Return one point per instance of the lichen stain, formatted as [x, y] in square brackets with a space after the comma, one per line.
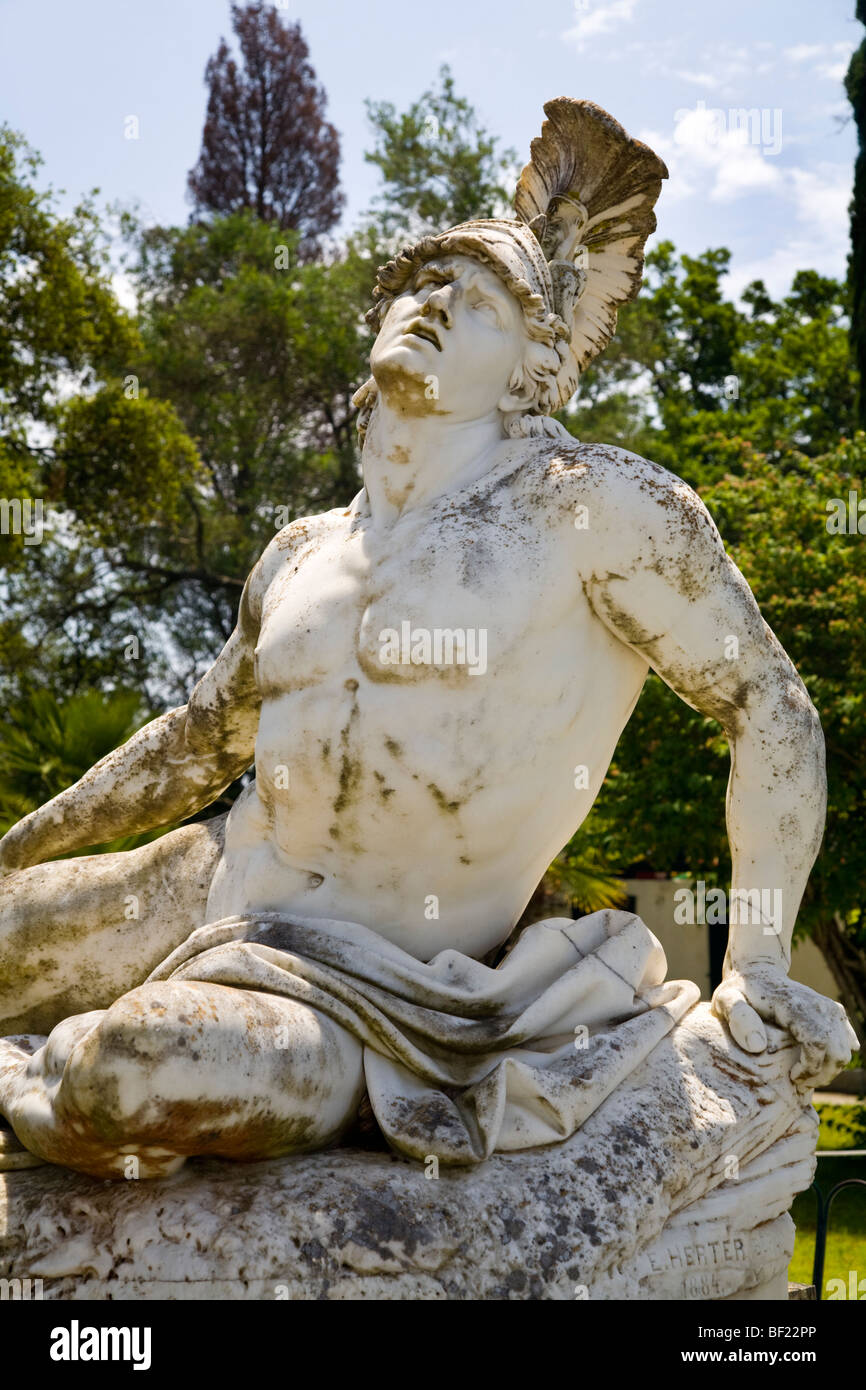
[450, 807]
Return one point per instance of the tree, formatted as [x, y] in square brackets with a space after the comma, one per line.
[439, 165]
[63, 339]
[266, 145]
[220, 414]
[58, 315]
[855, 87]
[690, 376]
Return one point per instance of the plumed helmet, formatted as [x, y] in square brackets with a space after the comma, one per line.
[574, 251]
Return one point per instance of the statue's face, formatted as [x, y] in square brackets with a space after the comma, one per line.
[450, 342]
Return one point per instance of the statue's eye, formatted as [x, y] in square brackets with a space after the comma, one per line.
[485, 307]
[431, 277]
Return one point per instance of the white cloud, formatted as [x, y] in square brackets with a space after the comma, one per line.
[831, 110]
[716, 67]
[821, 197]
[742, 169]
[778, 167]
[833, 58]
[711, 162]
[124, 291]
[713, 156]
[812, 211]
[778, 268]
[594, 17]
[834, 72]
[800, 52]
[698, 79]
[679, 185]
[652, 48]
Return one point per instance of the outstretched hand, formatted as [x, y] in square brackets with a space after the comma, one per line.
[760, 993]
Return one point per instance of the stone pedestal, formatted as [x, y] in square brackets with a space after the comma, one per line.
[678, 1187]
[357, 1225]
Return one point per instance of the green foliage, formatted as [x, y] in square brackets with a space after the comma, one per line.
[123, 463]
[583, 874]
[57, 309]
[811, 585]
[691, 380]
[46, 745]
[68, 436]
[58, 321]
[439, 165]
[259, 356]
[245, 363]
[843, 1126]
[694, 331]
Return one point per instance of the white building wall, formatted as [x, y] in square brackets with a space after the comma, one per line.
[688, 949]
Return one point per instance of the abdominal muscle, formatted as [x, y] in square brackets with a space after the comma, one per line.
[421, 875]
[418, 895]
[416, 818]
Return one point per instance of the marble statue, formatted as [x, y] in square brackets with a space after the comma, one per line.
[431, 683]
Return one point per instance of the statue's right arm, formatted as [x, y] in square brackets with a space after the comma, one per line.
[173, 767]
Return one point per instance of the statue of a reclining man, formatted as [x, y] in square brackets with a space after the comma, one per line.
[417, 677]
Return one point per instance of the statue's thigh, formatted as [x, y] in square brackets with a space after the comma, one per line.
[77, 933]
[202, 1068]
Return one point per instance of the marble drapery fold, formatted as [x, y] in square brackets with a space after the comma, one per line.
[463, 1060]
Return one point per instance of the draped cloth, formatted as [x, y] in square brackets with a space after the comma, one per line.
[463, 1060]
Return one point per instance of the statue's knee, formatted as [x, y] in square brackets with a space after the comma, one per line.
[208, 1071]
[113, 1073]
[64, 1038]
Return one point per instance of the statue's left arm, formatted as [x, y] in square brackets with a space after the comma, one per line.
[659, 578]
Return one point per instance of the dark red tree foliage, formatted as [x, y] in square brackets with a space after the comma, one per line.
[266, 143]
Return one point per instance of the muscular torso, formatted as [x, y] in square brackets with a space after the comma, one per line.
[425, 799]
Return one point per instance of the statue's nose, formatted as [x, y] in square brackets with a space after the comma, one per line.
[438, 304]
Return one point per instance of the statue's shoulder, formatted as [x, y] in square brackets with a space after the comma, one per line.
[609, 465]
[288, 543]
[626, 504]
[307, 528]
[614, 477]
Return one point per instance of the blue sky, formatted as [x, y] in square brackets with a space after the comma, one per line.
[776, 193]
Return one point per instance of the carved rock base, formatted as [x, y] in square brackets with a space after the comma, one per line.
[678, 1187]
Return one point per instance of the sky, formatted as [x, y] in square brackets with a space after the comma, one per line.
[772, 186]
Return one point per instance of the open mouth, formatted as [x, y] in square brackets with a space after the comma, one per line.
[419, 329]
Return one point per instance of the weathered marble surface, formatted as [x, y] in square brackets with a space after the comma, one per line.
[431, 683]
[348, 1225]
[614, 1212]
